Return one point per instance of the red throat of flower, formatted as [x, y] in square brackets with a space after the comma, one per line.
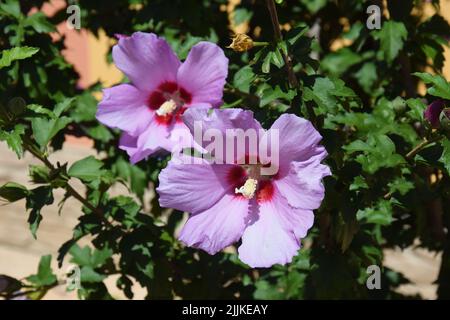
[247, 186]
[169, 101]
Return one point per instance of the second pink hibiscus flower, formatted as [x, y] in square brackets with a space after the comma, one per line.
[235, 200]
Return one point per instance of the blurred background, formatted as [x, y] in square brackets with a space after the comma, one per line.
[20, 253]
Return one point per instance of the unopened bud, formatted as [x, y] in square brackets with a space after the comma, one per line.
[433, 112]
[241, 42]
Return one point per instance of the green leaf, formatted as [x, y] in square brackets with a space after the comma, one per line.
[89, 258]
[367, 76]
[14, 139]
[12, 191]
[277, 58]
[266, 291]
[271, 95]
[326, 93]
[87, 169]
[39, 174]
[381, 121]
[99, 257]
[445, 157]
[243, 78]
[183, 49]
[45, 129]
[39, 22]
[89, 275]
[440, 88]
[380, 214]
[392, 37]
[266, 63]
[125, 210]
[338, 62]
[314, 5]
[378, 152]
[417, 107]
[320, 94]
[11, 7]
[63, 106]
[401, 185]
[133, 174]
[99, 133]
[80, 256]
[40, 110]
[85, 108]
[36, 200]
[358, 183]
[295, 34]
[44, 276]
[16, 53]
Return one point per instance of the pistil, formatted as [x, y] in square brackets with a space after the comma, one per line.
[167, 108]
[248, 189]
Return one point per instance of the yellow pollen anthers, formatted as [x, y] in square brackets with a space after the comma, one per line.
[167, 108]
[248, 189]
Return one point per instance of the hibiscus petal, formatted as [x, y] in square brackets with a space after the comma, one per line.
[154, 138]
[146, 59]
[124, 107]
[302, 186]
[223, 122]
[193, 187]
[204, 72]
[157, 138]
[268, 239]
[220, 119]
[128, 143]
[297, 220]
[297, 141]
[218, 227]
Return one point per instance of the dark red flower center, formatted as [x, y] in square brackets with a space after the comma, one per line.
[265, 191]
[239, 177]
[169, 101]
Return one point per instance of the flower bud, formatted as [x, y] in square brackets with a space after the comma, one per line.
[433, 112]
[241, 42]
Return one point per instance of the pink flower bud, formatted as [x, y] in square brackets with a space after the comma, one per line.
[432, 113]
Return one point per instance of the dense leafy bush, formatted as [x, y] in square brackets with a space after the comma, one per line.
[390, 183]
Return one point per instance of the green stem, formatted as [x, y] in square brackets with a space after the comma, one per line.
[421, 145]
[293, 82]
[70, 190]
[260, 43]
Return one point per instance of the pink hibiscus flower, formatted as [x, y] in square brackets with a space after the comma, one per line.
[234, 200]
[149, 109]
